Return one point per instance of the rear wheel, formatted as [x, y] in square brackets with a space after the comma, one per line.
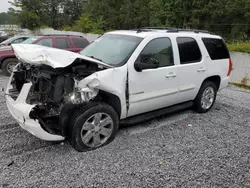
[8, 65]
[206, 97]
[94, 126]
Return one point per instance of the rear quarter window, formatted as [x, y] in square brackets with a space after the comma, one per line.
[216, 48]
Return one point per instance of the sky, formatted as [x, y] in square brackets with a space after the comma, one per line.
[4, 5]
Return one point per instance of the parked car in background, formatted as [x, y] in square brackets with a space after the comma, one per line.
[3, 38]
[123, 76]
[14, 40]
[72, 43]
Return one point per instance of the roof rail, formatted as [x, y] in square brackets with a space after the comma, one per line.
[148, 29]
[140, 30]
[159, 28]
[189, 30]
[171, 30]
[62, 34]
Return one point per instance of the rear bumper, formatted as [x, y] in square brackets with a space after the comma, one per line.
[224, 82]
[20, 110]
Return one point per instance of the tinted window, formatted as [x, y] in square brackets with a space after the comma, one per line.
[189, 50]
[80, 43]
[45, 42]
[159, 49]
[216, 48]
[63, 43]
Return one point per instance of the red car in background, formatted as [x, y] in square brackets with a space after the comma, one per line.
[72, 43]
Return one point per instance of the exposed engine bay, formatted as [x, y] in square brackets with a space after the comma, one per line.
[54, 90]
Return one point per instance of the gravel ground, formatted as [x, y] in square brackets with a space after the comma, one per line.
[181, 150]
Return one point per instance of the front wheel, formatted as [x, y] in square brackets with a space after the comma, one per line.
[8, 66]
[94, 126]
[206, 97]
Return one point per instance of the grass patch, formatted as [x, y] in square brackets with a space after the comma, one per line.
[239, 47]
[241, 86]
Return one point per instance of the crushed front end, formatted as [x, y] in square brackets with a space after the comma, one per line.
[40, 97]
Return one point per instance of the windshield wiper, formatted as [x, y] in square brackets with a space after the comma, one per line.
[93, 57]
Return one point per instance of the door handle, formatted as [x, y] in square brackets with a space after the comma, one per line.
[202, 69]
[171, 75]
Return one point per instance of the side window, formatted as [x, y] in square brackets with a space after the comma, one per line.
[216, 48]
[17, 41]
[189, 50]
[159, 49]
[45, 42]
[80, 42]
[63, 43]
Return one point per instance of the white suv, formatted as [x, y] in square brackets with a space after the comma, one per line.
[123, 76]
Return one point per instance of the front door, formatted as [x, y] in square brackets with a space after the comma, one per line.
[153, 88]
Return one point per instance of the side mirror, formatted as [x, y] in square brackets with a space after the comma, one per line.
[147, 63]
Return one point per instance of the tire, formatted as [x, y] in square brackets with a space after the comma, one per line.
[7, 65]
[84, 131]
[211, 94]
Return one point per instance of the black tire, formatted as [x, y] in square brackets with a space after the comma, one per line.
[198, 100]
[6, 63]
[81, 116]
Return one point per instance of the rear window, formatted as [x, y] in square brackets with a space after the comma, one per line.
[80, 42]
[189, 50]
[216, 48]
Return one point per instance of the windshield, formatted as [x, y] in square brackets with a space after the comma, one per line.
[112, 49]
[8, 40]
[30, 40]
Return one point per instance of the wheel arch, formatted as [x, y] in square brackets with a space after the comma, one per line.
[112, 100]
[215, 79]
[5, 58]
[70, 109]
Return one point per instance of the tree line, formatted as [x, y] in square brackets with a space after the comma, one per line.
[6, 18]
[229, 18]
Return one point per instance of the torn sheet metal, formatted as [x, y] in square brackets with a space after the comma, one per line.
[110, 80]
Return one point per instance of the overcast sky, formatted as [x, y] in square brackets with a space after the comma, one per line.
[4, 5]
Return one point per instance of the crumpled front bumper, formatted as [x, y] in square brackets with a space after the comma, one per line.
[20, 110]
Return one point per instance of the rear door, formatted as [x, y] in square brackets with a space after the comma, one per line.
[47, 41]
[192, 69]
[64, 43]
[80, 43]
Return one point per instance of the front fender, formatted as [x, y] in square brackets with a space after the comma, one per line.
[113, 81]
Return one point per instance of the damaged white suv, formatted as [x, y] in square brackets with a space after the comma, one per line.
[123, 76]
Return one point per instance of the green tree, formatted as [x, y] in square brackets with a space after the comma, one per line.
[229, 18]
[6, 18]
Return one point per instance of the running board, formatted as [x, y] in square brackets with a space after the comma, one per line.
[157, 113]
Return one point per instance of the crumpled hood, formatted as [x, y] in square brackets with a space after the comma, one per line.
[56, 58]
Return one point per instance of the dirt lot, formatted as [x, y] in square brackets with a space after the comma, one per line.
[182, 150]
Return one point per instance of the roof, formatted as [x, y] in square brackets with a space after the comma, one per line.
[145, 32]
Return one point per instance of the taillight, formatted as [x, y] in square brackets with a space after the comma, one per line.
[230, 68]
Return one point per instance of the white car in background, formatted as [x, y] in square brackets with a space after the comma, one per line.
[123, 76]
[14, 40]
